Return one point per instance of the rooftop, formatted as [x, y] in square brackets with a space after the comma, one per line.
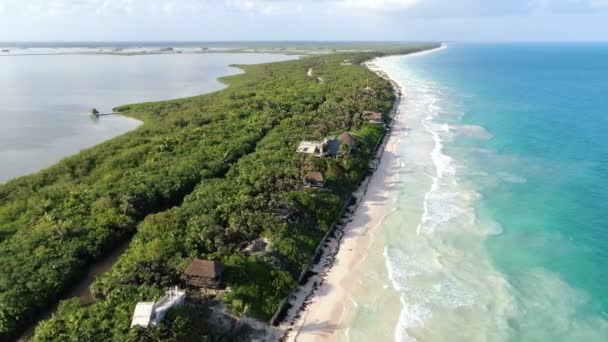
[346, 138]
[143, 314]
[205, 268]
[373, 116]
[314, 176]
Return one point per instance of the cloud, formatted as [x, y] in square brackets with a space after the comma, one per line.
[240, 5]
[419, 8]
[113, 7]
[265, 7]
[411, 9]
[486, 8]
[598, 4]
[380, 5]
[170, 7]
[267, 10]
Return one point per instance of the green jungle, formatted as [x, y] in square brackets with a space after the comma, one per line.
[201, 178]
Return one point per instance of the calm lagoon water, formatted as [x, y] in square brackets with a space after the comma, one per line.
[500, 221]
[45, 99]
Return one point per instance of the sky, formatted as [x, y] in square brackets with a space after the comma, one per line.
[361, 20]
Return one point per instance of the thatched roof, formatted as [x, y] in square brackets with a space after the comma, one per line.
[314, 176]
[373, 116]
[346, 138]
[205, 268]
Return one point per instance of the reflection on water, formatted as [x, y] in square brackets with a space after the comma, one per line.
[45, 100]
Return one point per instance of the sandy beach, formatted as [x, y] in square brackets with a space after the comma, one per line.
[325, 313]
[325, 310]
[321, 313]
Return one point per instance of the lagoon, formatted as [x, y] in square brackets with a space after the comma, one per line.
[45, 99]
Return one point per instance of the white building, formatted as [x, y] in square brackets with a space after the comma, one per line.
[152, 313]
[143, 314]
[329, 146]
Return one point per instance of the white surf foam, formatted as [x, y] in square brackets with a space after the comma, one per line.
[432, 275]
[445, 281]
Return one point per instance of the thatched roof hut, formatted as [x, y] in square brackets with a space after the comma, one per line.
[346, 139]
[314, 179]
[373, 117]
[204, 273]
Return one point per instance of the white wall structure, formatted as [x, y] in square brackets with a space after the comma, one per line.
[152, 313]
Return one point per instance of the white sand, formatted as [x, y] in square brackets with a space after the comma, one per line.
[325, 310]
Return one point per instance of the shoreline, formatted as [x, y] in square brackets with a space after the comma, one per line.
[116, 125]
[379, 151]
[81, 287]
[338, 268]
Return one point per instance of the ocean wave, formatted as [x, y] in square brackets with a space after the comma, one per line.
[471, 132]
[541, 292]
[433, 273]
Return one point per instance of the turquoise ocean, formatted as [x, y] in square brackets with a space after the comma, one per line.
[497, 228]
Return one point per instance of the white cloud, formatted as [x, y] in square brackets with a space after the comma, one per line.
[277, 8]
[240, 5]
[113, 7]
[265, 7]
[170, 7]
[598, 4]
[380, 5]
[267, 10]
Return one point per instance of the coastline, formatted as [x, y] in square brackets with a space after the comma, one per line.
[72, 130]
[321, 307]
[140, 112]
[80, 289]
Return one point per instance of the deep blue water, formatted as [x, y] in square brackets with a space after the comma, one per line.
[543, 176]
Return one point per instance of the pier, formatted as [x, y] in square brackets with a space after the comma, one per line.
[94, 112]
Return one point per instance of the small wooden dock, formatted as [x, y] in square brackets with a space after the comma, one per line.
[94, 112]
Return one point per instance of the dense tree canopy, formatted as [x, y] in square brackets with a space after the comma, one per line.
[202, 177]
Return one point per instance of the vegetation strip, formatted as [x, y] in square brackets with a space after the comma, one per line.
[203, 177]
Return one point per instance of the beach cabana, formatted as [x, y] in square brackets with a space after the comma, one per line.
[314, 179]
[373, 117]
[204, 273]
[348, 140]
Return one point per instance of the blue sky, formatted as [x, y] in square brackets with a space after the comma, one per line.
[203, 20]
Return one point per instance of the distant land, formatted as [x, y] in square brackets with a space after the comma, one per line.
[216, 177]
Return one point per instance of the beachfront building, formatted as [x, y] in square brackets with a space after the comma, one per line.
[311, 147]
[143, 314]
[314, 179]
[330, 146]
[204, 273]
[373, 117]
[152, 313]
[347, 142]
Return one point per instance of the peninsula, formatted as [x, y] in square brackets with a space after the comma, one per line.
[221, 178]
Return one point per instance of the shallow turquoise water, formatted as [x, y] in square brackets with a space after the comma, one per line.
[509, 241]
[546, 107]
